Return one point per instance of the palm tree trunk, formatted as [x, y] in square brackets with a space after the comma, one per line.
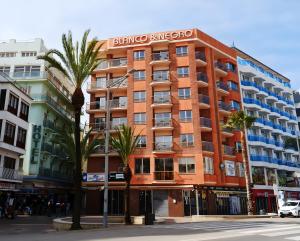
[77, 101]
[247, 175]
[127, 195]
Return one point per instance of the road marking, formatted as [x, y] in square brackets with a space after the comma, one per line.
[281, 233]
[270, 229]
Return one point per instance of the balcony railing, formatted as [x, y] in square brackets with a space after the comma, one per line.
[163, 55]
[265, 140]
[224, 106]
[228, 150]
[163, 175]
[160, 76]
[274, 160]
[104, 83]
[10, 174]
[202, 77]
[118, 104]
[163, 146]
[118, 122]
[162, 122]
[221, 85]
[205, 122]
[96, 105]
[204, 99]
[120, 62]
[221, 66]
[100, 126]
[207, 146]
[200, 55]
[162, 99]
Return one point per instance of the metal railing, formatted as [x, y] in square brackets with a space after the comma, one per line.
[163, 146]
[119, 62]
[160, 76]
[163, 123]
[205, 122]
[163, 175]
[117, 104]
[10, 174]
[202, 77]
[200, 55]
[95, 105]
[102, 84]
[228, 150]
[207, 146]
[221, 66]
[221, 85]
[162, 99]
[224, 106]
[204, 99]
[163, 55]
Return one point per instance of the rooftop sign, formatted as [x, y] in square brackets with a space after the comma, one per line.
[146, 38]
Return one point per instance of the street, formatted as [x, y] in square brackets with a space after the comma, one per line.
[40, 229]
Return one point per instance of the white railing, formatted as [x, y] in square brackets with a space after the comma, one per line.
[10, 174]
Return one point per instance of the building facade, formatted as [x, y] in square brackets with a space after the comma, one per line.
[183, 88]
[272, 141]
[14, 111]
[47, 168]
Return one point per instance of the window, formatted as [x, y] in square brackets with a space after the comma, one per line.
[208, 165]
[186, 165]
[139, 55]
[28, 53]
[139, 75]
[5, 69]
[13, 104]
[181, 51]
[235, 105]
[142, 165]
[163, 119]
[238, 147]
[241, 169]
[160, 75]
[161, 97]
[24, 111]
[186, 140]
[230, 168]
[233, 86]
[139, 118]
[185, 115]
[27, 71]
[230, 67]
[184, 93]
[21, 137]
[1, 126]
[163, 143]
[2, 98]
[9, 162]
[141, 142]
[182, 72]
[9, 134]
[7, 54]
[139, 96]
[164, 169]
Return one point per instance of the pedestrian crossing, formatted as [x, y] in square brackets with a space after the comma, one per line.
[230, 229]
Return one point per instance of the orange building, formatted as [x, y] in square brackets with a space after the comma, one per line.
[183, 87]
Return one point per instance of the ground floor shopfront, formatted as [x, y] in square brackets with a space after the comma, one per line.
[169, 200]
[265, 201]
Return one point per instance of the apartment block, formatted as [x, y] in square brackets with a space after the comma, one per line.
[273, 147]
[47, 167]
[14, 111]
[183, 88]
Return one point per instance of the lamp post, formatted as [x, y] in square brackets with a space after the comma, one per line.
[109, 85]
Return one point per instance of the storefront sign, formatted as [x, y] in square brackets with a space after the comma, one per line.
[36, 139]
[145, 38]
[4, 186]
[116, 176]
[93, 177]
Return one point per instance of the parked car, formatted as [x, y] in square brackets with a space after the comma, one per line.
[290, 208]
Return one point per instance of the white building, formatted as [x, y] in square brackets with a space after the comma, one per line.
[46, 164]
[272, 141]
[14, 112]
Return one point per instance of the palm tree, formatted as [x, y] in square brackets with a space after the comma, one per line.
[240, 121]
[76, 62]
[125, 143]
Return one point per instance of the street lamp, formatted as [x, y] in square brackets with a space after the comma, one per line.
[109, 85]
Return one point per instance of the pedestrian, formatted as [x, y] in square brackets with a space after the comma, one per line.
[49, 208]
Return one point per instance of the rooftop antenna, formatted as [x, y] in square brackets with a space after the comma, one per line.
[233, 45]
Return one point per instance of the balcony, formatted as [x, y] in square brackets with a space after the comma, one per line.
[204, 101]
[266, 140]
[160, 78]
[222, 88]
[163, 175]
[225, 130]
[160, 58]
[100, 151]
[200, 58]
[163, 147]
[220, 69]
[162, 101]
[163, 124]
[202, 79]
[112, 64]
[95, 107]
[118, 122]
[118, 105]
[224, 108]
[228, 150]
[207, 146]
[96, 86]
[205, 124]
[97, 127]
[10, 174]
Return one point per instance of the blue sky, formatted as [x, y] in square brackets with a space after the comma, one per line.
[266, 29]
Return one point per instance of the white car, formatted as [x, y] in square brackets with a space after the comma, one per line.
[290, 208]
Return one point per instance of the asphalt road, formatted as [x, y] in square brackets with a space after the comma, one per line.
[40, 229]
